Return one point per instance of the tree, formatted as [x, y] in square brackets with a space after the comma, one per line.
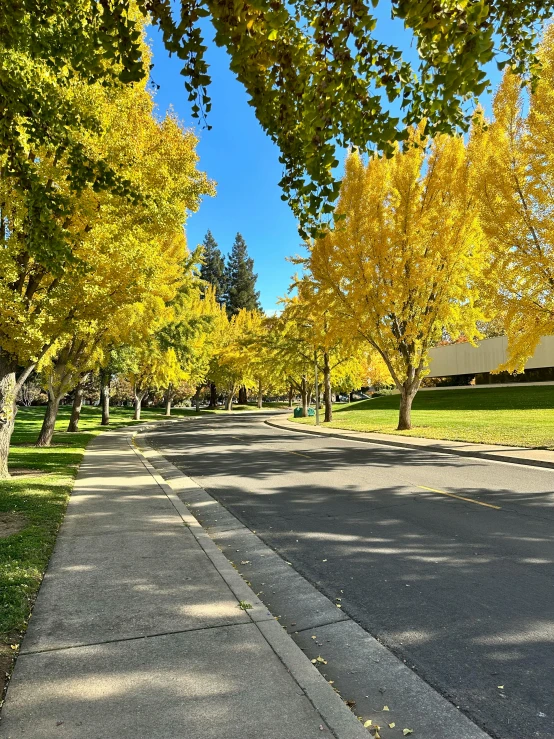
[240, 280]
[513, 168]
[405, 262]
[316, 73]
[212, 270]
[62, 371]
[119, 251]
[233, 366]
[338, 352]
[194, 334]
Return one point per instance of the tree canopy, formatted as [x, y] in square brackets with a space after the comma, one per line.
[315, 71]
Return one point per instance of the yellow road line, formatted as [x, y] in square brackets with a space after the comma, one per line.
[299, 454]
[459, 497]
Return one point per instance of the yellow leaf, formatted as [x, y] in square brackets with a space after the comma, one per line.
[368, 723]
[406, 732]
[391, 726]
[386, 708]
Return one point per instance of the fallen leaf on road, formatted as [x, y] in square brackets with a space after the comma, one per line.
[245, 562]
[350, 703]
[386, 708]
[368, 723]
[406, 732]
[500, 687]
[338, 605]
[314, 637]
[319, 660]
[391, 726]
[324, 560]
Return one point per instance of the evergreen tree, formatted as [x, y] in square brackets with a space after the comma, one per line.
[213, 267]
[240, 280]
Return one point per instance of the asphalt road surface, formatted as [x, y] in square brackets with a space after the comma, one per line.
[461, 589]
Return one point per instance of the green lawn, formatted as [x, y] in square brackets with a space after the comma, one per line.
[521, 416]
[38, 501]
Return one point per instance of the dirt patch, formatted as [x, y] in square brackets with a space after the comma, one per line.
[25, 472]
[11, 523]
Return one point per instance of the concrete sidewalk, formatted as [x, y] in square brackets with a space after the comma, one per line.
[137, 630]
[493, 452]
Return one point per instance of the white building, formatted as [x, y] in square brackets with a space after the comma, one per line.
[465, 359]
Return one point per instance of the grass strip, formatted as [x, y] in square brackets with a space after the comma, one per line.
[515, 416]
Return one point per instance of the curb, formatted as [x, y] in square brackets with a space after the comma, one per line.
[354, 650]
[302, 429]
[340, 720]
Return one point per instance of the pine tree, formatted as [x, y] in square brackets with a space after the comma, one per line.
[213, 267]
[240, 280]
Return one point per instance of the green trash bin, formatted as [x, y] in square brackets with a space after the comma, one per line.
[298, 412]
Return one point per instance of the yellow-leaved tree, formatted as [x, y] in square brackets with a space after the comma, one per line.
[120, 247]
[513, 167]
[403, 263]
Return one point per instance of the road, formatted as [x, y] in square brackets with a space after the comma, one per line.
[463, 590]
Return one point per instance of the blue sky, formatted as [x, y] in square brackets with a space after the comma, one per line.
[245, 164]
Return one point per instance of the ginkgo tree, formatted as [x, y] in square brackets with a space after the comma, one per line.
[315, 73]
[119, 251]
[404, 263]
[340, 354]
[513, 174]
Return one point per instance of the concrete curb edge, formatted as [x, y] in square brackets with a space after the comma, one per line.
[338, 717]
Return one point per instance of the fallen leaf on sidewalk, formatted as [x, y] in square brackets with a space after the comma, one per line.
[244, 605]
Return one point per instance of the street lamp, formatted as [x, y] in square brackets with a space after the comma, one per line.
[311, 325]
[316, 390]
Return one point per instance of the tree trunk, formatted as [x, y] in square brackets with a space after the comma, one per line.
[213, 396]
[76, 409]
[229, 400]
[305, 393]
[8, 410]
[243, 398]
[327, 397]
[197, 398]
[105, 398]
[138, 405]
[290, 396]
[168, 399]
[49, 422]
[407, 395]
[260, 395]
